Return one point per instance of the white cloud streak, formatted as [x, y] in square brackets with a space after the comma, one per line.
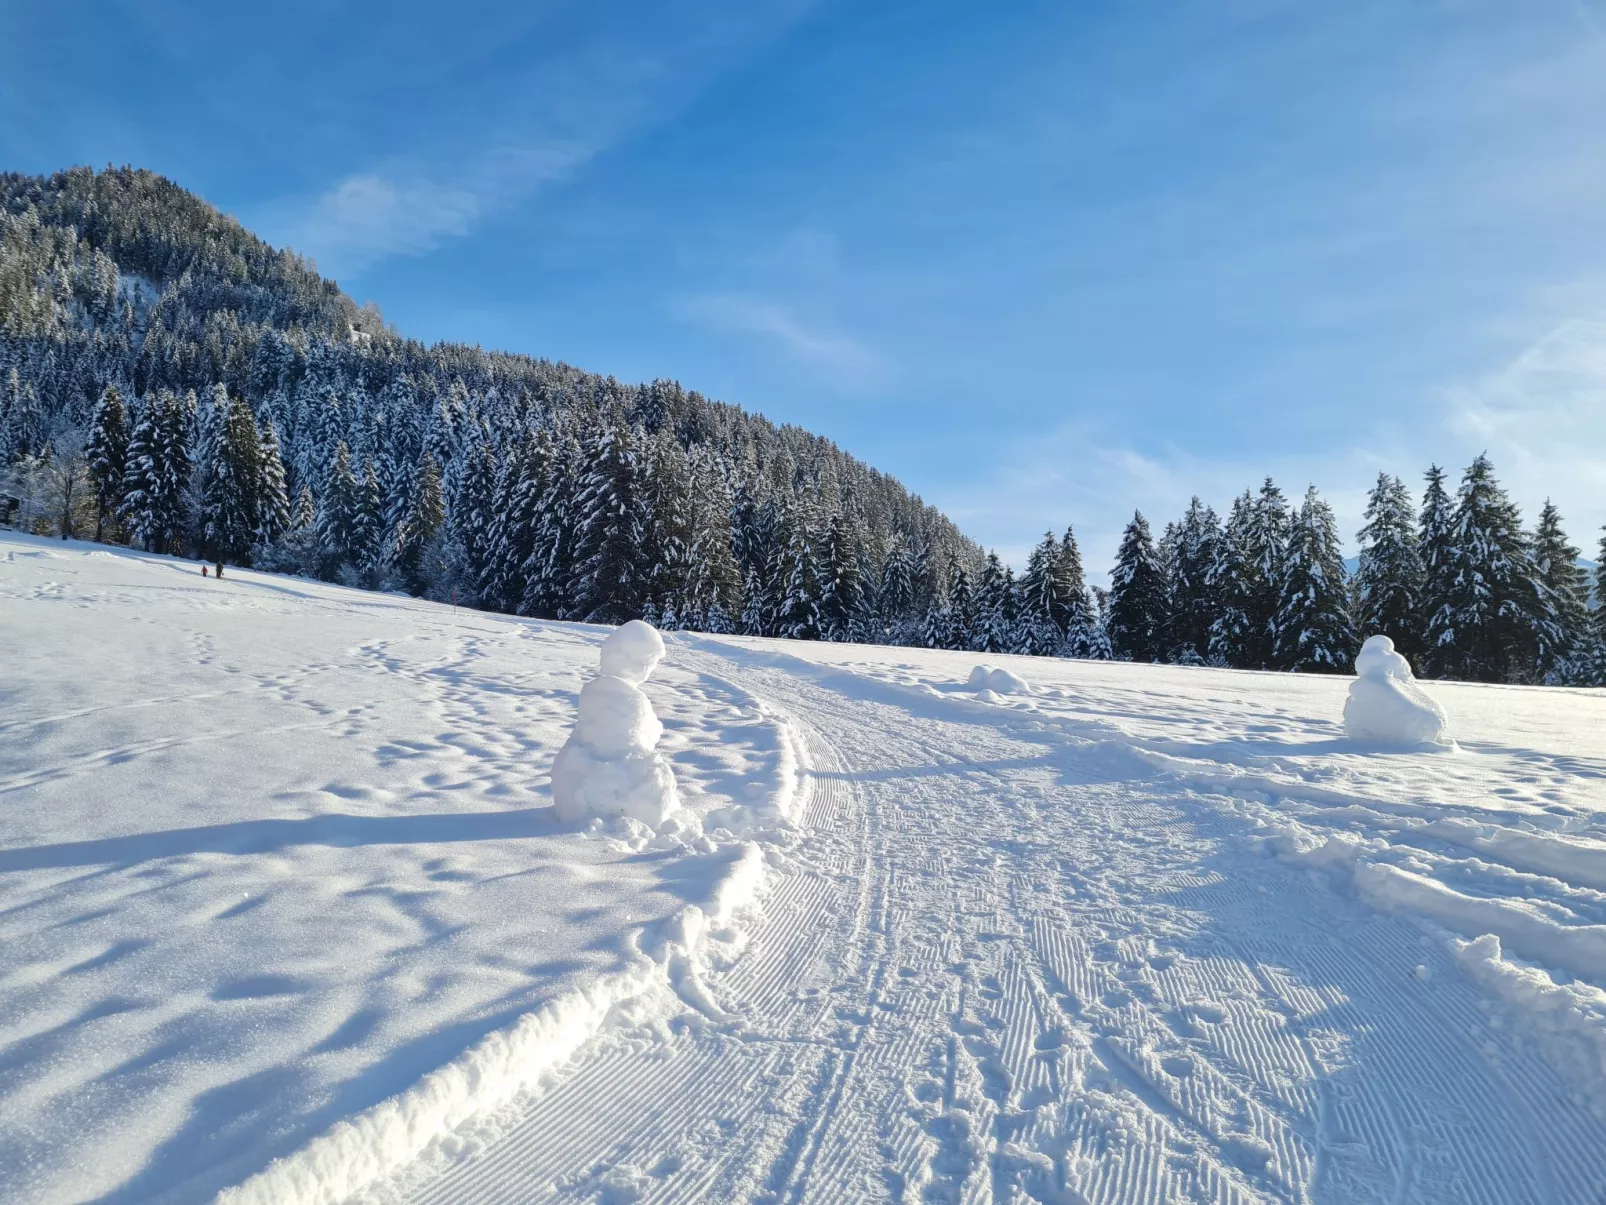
[840, 358]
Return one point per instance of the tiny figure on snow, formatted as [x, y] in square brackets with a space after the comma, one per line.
[203, 570]
[220, 569]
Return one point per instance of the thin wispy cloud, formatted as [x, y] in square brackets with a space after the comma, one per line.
[839, 357]
[542, 122]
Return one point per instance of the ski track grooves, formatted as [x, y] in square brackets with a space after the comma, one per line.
[993, 967]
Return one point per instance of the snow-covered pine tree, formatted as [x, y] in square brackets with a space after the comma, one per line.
[369, 527]
[1556, 563]
[1232, 584]
[1597, 620]
[1041, 633]
[1315, 633]
[667, 508]
[273, 501]
[1435, 541]
[1267, 548]
[799, 615]
[1500, 620]
[231, 487]
[337, 509]
[107, 453]
[1137, 611]
[713, 588]
[157, 473]
[515, 510]
[841, 590]
[753, 607]
[610, 576]
[1389, 580]
[1193, 598]
[989, 630]
[895, 597]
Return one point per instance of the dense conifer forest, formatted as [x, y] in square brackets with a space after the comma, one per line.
[170, 381]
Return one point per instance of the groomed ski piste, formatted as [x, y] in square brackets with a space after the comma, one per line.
[287, 917]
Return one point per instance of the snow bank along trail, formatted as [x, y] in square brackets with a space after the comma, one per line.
[1028, 949]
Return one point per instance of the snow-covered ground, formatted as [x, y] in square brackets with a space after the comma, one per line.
[285, 915]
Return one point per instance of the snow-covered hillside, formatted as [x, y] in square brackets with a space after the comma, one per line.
[285, 915]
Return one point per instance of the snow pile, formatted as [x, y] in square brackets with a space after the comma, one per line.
[1568, 1020]
[999, 681]
[1385, 705]
[609, 766]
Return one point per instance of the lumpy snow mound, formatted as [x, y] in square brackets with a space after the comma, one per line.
[632, 652]
[999, 681]
[1385, 705]
[610, 765]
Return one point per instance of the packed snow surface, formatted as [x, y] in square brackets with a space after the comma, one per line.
[286, 916]
[1385, 706]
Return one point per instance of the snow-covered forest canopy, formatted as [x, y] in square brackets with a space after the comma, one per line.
[169, 380]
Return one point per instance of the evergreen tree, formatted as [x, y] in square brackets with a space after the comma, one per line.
[231, 488]
[841, 589]
[610, 576]
[1500, 622]
[1268, 550]
[157, 473]
[273, 501]
[990, 629]
[1556, 564]
[753, 608]
[1137, 612]
[337, 508]
[1232, 584]
[1389, 580]
[799, 617]
[107, 453]
[1436, 541]
[1314, 631]
[1193, 597]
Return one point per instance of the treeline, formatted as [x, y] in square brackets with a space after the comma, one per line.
[168, 380]
[1463, 589]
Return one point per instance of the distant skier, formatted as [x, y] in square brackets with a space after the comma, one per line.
[219, 573]
[203, 570]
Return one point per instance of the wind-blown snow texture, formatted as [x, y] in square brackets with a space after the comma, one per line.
[286, 915]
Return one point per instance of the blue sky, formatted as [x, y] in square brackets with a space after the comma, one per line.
[1046, 262]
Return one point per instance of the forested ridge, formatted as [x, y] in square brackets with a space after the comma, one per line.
[169, 380]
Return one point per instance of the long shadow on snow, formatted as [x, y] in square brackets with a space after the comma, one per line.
[266, 836]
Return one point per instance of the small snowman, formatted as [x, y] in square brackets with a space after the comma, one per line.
[610, 765]
[1385, 705]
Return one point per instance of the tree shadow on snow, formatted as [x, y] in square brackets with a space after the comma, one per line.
[267, 836]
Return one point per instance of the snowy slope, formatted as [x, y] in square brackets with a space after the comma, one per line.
[276, 854]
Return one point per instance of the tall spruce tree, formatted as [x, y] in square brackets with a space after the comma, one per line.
[1500, 621]
[1389, 579]
[1137, 612]
[107, 453]
[611, 577]
[231, 490]
[1556, 564]
[1436, 541]
[1314, 631]
[1268, 550]
[1193, 597]
[1231, 582]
